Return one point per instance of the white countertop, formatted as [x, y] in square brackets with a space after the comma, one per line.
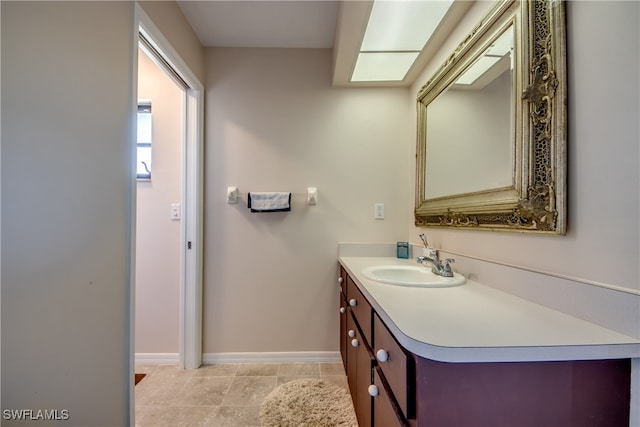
[477, 323]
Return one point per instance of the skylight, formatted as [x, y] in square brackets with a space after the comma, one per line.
[396, 33]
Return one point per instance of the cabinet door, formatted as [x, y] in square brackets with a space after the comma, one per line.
[359, 371]
[385, 411]
[351, 353]
[396, 367]
[363, 402]
[343, 327]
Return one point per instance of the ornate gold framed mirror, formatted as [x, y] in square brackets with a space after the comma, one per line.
[491, 139]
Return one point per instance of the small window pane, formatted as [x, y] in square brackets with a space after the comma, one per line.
[144, 162]
[144, 141]
[144, 127]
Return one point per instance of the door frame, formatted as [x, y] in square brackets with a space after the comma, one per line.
[190, 313]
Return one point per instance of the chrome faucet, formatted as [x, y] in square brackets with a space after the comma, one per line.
[437, 267]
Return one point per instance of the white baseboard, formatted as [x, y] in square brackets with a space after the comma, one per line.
[273, 357]
[157, 358]
[244, 357]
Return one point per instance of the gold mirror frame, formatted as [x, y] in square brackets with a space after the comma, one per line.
[536, 201]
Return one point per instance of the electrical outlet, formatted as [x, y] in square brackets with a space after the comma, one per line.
[379, 211]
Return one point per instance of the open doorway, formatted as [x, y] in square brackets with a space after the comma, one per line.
[159, 171]
[191, 182]
[191, 209]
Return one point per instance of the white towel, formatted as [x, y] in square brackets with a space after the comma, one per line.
[269, 201]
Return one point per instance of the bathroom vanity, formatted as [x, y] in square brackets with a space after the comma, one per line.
[471, 355]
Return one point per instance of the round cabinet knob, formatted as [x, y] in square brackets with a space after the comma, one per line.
[343, 310]
[351, 333]
[353, 302]
[373, 390]
[340, 279]
[382, 355]
[354, 343]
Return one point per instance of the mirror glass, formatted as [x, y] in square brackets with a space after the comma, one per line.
[492, 126]
[469, 126]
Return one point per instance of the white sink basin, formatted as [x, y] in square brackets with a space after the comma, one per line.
[407, 275]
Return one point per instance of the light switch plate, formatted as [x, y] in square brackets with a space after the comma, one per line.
[379, 211]
[232, 194]
[175, 211]
[312, 195]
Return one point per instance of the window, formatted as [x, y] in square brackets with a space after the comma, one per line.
[144, 141]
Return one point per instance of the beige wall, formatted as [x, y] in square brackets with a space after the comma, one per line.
[66, 99]
[602, 244]
[274, 123]
[67, 177]
[157, 236]
[170, 20]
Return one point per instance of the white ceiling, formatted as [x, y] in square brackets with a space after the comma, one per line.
[266, 23]
[330, 24]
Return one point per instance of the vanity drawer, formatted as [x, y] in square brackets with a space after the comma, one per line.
[385, 411]
[395, 365]
[361, 309]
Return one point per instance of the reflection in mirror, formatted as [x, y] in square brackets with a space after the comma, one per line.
[469, 129]
[492, 125]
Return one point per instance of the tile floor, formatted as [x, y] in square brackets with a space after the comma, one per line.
[224, 395]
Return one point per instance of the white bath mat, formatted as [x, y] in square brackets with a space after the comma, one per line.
[308, 403]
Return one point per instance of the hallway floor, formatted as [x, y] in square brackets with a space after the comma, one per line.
[224, 395]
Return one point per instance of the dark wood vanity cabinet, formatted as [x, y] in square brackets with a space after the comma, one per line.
[373, 397]
[391, 386]
[524, 394]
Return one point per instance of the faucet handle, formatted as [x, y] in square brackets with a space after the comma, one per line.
[431, 254]
[447, 268]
